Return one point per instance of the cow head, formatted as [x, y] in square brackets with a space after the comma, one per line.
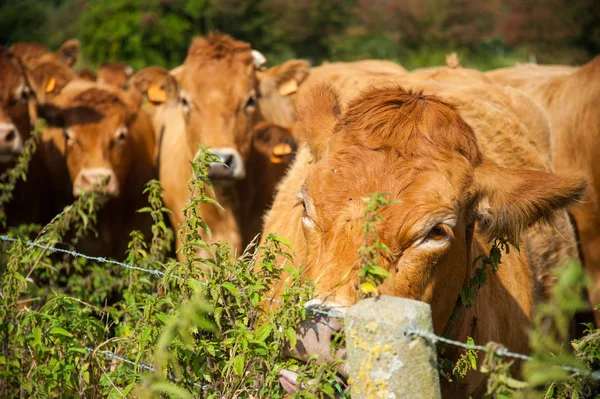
[218, 91]
[32, 53]
[114, 73]
[274, 142]
[418, 150]
[98, 145]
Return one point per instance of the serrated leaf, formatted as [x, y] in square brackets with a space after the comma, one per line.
[60, 331]
[238, 365]
[231, 288]
[290, 334]
[172, 390]
[263, 332]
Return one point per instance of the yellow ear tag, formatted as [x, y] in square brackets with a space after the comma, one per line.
[51, 85]
[156, 94]
[276, 159]
[282, 149]
[288, 87]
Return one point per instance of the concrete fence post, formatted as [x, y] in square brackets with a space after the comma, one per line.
[382, 360]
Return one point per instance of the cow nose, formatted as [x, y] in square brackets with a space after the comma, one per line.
[97, 180]
[318, 336]
[10, 141]
[231, 166]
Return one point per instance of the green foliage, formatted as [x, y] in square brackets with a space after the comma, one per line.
[204, 327]
[469, 290]
[485, 34]
[551, 329]
[467, 361]
[370, 273]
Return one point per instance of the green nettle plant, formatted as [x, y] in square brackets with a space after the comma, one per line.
[151, 326]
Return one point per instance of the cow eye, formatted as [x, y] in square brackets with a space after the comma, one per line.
[250, 103]
[69, 136]
[185, 104]
[437, 235]
[119, 138]
[121, 135]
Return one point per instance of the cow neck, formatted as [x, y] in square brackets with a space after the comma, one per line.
[495, 315]
[224, 220]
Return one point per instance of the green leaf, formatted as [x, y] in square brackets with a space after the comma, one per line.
[231, 288]
[60, 331]
[290, 334]
[172, 390]
[263, 332]
[238, 365]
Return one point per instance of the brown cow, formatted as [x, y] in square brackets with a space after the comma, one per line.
[216, 98]
[571, 98]
[114, 73]
[455, 189]
[101, 141]
[32, 53]
[21, 92]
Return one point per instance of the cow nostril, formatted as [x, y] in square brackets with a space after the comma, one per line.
[228, 160]
[10, 136]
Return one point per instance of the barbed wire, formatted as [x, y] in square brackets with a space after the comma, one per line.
[501, 351]
[315, 308]
[112, 356]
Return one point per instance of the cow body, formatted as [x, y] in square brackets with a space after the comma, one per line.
[433, 158]
[571, 98]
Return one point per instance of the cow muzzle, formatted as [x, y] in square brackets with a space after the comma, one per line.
[97, 180]
[231, 166]
[11, 143]
[315, 337]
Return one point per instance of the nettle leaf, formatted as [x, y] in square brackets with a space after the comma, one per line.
[172, 390]
[60, 331]
[263, 332]
[238, 365]
[231, 288]
[290, 334]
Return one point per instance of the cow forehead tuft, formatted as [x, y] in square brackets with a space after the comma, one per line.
[408, 122]
[218, 46]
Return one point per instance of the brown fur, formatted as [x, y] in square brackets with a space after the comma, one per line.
[32, 53]
[92, 113]
[16, 102]
[439, 166]
[221, 90]
[114, 73]
[571, 98]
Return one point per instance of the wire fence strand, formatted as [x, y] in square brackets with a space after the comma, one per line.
[501, 351]
[151, 369]
[322, 309]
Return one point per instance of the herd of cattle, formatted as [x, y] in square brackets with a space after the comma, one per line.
[468, 157]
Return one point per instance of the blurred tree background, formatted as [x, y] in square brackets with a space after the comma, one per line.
[416, 33]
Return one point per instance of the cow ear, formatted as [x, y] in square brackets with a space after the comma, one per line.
[156, 85]
[68, 53]
[318, 114]
[274, 142]
[284, 78]
[87, 74]
[510, 200]
[52, 114]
